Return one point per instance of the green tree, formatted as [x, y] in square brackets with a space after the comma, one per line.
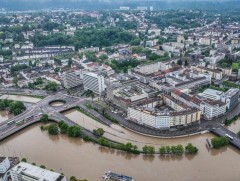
[162, 150]
[23, 160]
[44, 118]
[74, 131]
[103, 57]
[70, 62]
[218, 142]
[42, 166]
[99, 131]
[180, 149]
[191, 149]
[238, 134]
[53, 129]
[128, 146]
[63, 127]
[179, 62]
[15, 81]
[168, 149]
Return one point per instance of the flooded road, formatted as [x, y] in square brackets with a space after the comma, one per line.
[90, 161]
[21, 98]
[4, 116]
[235, 126]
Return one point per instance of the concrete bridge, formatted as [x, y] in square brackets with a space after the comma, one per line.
[34, 112]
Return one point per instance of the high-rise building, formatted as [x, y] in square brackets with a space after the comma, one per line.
[27, 172]
[71, 79]
[94, 82]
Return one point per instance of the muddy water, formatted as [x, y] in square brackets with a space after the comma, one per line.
[57, 103]
[87, 160]
[21, 98]
[235, 126]
[4, 116]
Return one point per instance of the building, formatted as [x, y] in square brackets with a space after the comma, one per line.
[6, 163]
[209, 107]
[142, 8]
[27, 172]
[230, 98]
[71, 79]
[212, 108]
[215, 73]
[212, 94]
[179, 114]
[94, 82]
[124, 8]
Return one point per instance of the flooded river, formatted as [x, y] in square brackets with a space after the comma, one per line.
[90, 161]
[21, 98]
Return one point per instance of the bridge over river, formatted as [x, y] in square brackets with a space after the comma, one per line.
[34, 112]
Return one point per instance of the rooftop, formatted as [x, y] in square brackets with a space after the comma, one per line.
[36, 172]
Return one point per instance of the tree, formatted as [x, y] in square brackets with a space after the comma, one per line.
[238, 134]
[186, 63]
[53, 129]
[23, 160]
[99, 132]
[63, 127]
[168, 149]
[51, 86]
[179, 62]
[191, 149]
[128, 146]
[148, 149]
[103, 57]
[162, 150]
[15, 81]
[102, 141]
[218, 142]
[74, 131]
[70, 62]
[180, 149]
[44, 118]
[42, 166]
[173, 149]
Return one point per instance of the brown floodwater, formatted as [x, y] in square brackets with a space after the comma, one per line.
[4, 116]
[21, 98]
[87, 160]
[57, 103]
[235, 126]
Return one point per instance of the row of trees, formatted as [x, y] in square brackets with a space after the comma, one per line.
[86, 38]
[63, 128]
[128, 147]
[15, 107]
[123, 66]
[51, 86]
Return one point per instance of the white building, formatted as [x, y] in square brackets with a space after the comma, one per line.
[230, 98]
[71, 79]
[213, 94]
[125, 8]
[211, 108]
[93, 82]
[27, 172]
[1, 58]
[4, 166]
[151, 43]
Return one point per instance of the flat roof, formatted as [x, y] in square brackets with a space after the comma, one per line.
[212, 92]
[36, 172]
